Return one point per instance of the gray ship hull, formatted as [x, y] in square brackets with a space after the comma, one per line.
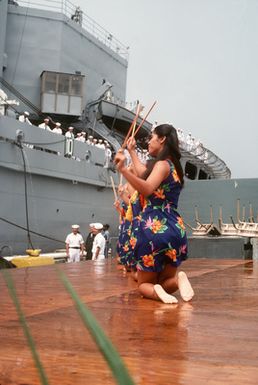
[47, 192]
[57, 191]
[213, 194]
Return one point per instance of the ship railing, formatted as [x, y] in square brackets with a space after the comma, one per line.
[33, 139]
[79, 17]
[217, 167]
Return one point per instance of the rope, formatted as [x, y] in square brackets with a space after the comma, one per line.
[31, 231]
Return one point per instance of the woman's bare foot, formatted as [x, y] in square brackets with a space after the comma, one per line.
[163, 295]
[184, 286]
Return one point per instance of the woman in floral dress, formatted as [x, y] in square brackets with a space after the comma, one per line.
[158, 242]
[128, 209]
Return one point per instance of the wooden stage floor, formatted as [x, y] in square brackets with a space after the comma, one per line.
[212, 340]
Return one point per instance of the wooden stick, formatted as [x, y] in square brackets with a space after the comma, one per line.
[130, 130]
[121, 179]
[138, 110]
[145, 117]
[113, 186]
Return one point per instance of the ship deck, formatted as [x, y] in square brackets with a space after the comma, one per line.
[212, 340]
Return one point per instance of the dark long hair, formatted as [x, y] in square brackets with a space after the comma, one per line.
[170, 150]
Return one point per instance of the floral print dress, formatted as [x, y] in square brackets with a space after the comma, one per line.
[125, 240]
[157, 232]
[123, 227]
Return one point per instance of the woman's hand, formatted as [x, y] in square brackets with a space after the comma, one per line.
[120, 160]
[120, 189]
[131, 144]
[117, 204]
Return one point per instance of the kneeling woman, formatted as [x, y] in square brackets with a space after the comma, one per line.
[160, 243]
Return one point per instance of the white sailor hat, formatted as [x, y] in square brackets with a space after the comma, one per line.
[83, 133]
[26, 113]
[58, 124]
[75, 226]
[90, 137]
[98, 226]
[70, 128]
[91, 224]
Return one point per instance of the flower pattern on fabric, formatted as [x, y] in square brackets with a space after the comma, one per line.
[159, 193]
[171, 254]
[148, 260]
[157, 233]
[132, 242]
[155, 225]
[143, 201]
[129, 213]
[175, 176]
[183, 249]
[126, 247]
[180, 225]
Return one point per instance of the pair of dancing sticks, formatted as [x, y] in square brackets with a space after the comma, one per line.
[133, 130]
[114, 187]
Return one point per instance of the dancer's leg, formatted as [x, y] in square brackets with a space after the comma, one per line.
[148, 287]
[171, 282]
[168, 279]
[185, 288]
[134, 274]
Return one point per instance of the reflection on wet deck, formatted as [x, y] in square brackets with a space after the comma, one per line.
[212, 340]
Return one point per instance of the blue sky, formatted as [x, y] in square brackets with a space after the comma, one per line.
[199, 60]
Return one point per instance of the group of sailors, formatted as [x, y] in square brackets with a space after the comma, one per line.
[190, 144]
[96, 246]
[187, 143]
[71, 136]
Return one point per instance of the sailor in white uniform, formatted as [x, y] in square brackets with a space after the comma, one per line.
[45, 125]
[108, 155]
[69, 142]
[99, 243]
[74, 245]
[57, 129]
[24, 118]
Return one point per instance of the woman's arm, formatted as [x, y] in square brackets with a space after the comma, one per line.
[138, 166]
[124, 193]
[146, 187]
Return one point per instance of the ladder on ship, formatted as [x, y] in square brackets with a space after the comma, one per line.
[20, 97]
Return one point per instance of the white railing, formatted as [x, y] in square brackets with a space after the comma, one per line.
[216, 165]
[76, 14]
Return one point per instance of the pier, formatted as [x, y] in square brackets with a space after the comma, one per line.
[210, 340]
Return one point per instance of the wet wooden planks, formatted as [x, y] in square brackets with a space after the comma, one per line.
[212, 340]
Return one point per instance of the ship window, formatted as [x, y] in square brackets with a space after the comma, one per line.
[190, 170]
[202, 175]
[50, 82]
[63, 84]
[62, 93]
[76, 85]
